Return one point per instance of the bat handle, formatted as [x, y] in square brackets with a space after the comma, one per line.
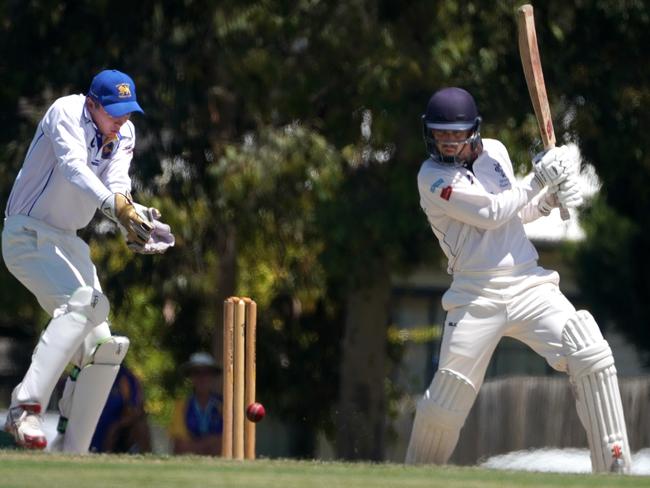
[564, 213]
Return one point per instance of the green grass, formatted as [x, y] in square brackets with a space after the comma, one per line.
[20, 469]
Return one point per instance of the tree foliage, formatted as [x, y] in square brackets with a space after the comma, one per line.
[281, 141]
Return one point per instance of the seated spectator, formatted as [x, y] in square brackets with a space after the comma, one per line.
[123, 426]
[197, 421]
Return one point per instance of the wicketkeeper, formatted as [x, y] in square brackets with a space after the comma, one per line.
[477, 210]
[78, 162]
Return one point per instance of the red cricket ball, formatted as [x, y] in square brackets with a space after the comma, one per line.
[255, 412]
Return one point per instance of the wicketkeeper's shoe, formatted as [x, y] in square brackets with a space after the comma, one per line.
[24, 422]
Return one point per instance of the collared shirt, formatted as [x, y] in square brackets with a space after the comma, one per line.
[67, 174]
[190, 420]
[478, 214]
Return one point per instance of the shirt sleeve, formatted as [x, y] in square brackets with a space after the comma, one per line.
[461, 199]
[530, 212]
[69, 143]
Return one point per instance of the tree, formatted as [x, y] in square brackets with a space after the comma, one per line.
[281, 141]
[609, 90]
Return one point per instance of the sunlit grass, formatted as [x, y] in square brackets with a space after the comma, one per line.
[21, 469]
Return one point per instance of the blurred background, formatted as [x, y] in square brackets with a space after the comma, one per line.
[282, 141]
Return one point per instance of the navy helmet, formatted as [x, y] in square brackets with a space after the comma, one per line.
[452, 109]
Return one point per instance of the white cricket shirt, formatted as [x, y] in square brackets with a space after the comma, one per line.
[478, 215]
[65, 177]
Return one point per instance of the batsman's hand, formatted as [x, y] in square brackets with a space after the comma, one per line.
[569, 192]
[549, 201]
[134, 224]
[551, 167]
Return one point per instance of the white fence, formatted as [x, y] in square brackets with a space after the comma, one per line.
[519, 413]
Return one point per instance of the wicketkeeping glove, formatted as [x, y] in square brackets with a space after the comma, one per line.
[161, 238]
[135, 225]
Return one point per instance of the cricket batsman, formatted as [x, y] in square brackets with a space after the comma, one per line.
[78, 162]
[477, 210]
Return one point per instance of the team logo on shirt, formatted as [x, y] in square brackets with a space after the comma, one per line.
[436, 184]
[446, 191]
[504, 182]
[109, 147]
[123, 90]
[499, 169]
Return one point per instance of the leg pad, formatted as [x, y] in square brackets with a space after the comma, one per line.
[90, 303]
[85, 394]
[598, 399]
[85, 309]
[439, 416]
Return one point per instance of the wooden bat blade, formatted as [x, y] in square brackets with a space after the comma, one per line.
[532, 65]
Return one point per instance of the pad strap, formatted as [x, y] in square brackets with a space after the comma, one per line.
[586, 349]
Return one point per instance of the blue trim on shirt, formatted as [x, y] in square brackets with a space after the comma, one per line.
[39, 195]
[34, 145]
[27, 156]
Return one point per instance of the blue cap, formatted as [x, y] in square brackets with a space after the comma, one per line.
[115, 91]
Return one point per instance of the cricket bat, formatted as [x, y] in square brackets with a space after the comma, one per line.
[532, 65]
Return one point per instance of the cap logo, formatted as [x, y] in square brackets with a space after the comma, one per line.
[123, 90]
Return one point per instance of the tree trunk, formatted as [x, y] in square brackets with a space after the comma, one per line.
[362, 399]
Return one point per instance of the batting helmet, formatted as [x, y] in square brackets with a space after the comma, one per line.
[451, 109]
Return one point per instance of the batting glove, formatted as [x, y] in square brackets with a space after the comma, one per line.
[552, 167]
[569, 193]
[548, 202]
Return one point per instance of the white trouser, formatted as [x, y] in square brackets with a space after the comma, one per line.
[527, 306]
[52, 264]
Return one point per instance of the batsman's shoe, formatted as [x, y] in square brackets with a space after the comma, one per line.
[24, 422]
[618, 462]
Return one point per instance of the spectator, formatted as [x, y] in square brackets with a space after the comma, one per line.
[123, 425]
[197, 422]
